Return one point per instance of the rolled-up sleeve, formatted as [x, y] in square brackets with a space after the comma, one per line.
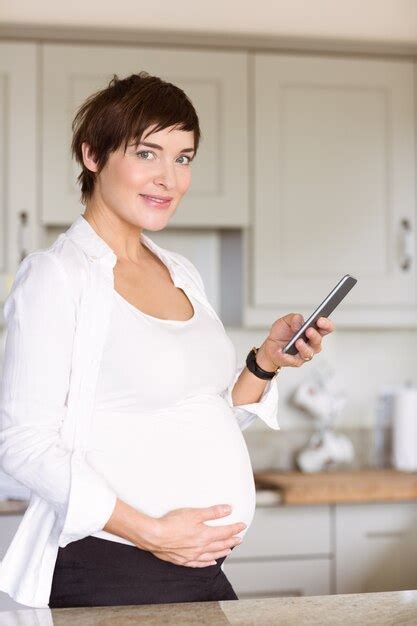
[40, 318]
[266, 408]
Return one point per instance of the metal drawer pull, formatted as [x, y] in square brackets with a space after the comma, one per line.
[407, 245]
[393, 534]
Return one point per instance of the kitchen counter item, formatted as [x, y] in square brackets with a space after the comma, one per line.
[268, 497]
[404, 430]
[341, 486]
[392, 607]
[13, 507]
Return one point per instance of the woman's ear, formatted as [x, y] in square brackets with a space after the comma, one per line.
[88, 157]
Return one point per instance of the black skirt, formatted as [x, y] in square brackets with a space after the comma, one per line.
[100, 572]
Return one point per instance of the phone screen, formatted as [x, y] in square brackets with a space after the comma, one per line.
[324, 309]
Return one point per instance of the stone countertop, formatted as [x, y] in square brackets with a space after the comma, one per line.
[379, 609]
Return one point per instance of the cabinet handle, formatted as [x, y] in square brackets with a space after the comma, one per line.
[22, 244]
[407, 244]
[393, 534]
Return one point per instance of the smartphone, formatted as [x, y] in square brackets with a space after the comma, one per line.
[328, 305]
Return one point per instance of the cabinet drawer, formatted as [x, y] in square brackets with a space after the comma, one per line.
[302, 577]
[383, 539]
[286, 531]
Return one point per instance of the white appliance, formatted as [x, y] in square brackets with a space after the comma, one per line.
[404, 429]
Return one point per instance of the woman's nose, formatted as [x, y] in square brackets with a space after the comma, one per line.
[166, 176]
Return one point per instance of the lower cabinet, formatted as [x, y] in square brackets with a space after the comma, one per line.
[294, 550]
[376, 547]
[310, 550]
[286, 552]
[8, 528]
[262, 579]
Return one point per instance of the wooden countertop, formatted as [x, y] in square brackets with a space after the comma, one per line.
[372, 609]
[340, 486]
[330, 487]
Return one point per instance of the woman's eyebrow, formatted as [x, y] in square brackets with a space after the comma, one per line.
[155, 145]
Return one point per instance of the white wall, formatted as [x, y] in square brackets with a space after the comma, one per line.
[385, 20]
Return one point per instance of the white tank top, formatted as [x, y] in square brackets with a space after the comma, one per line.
[162, 435]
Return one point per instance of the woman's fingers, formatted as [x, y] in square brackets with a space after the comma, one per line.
[325, 325]
[216, 546]
[310, 347]
[209, 556]
[305, 350]
[314, 339]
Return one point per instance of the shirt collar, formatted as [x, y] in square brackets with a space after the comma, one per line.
[96, 248]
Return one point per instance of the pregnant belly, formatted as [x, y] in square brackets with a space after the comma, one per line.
[192, 454]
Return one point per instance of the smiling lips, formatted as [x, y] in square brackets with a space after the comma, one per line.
[160, 201]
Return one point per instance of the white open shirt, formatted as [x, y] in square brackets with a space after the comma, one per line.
[57, 316]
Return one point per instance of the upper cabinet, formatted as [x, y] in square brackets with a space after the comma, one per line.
[18, 157]
[313, 156]
[334, 189]
[216, 83]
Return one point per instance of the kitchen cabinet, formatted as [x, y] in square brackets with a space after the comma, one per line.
[334, 188]
[216, 83]
[18, 162]
[292, 550]
[8, 528]
[286, 531]
[263, 579]
[376, 547]
[324, 146]
[286, 552]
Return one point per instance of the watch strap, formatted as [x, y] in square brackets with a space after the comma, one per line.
[253, 366]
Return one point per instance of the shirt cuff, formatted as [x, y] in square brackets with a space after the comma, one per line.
[91, 502]
[266, 408]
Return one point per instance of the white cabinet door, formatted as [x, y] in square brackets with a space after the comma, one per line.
[8, 528]
[18, 162]
[376, 547]
[286, 552]
[216, 84]
[286, 531]
[334, 188]
[261, 579]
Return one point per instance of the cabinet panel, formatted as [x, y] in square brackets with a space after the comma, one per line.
[8, 528]
[18, 173]
[286, 531]
[336, 141]
[279, 578]
[216, 84]
[376, 547]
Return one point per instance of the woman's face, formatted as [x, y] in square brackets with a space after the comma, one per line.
[128, 181]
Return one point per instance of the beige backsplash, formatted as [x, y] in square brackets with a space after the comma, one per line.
[277, 450]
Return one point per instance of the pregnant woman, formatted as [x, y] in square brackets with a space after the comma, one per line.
[122, 404]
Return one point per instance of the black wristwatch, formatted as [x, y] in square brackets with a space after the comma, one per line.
[253, 367]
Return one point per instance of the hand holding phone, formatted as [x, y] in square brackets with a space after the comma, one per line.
[323, 310]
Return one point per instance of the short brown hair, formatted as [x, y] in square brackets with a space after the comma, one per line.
[121, 112]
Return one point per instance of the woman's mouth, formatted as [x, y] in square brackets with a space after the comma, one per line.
[157, 201]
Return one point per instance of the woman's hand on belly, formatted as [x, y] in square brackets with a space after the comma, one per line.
[182, 537]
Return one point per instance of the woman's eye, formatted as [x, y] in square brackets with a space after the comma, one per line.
[184, 156]
[144, 152]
